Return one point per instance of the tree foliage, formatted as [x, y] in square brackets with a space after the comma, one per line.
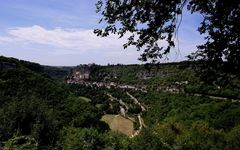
[82, 139]
[37, 112]
[21, 143]
[146, 22]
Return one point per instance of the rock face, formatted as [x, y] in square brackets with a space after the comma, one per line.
[89, 75]
[93, 72]
[80, 73]
[150, 74]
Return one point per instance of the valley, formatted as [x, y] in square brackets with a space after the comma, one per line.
[115, 107]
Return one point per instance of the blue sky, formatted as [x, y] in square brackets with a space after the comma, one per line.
[60, 32]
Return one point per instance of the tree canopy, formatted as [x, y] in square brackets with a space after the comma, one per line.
[146, 22]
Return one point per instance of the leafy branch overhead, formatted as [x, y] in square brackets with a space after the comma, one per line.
[146, 22]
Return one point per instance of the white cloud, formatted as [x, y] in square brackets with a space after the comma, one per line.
[77, 39]
[61, 43]
[82, 45]
[7, 39]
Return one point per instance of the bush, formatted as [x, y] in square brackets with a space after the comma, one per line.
[21, 143]
[233, 138]
[82, 139]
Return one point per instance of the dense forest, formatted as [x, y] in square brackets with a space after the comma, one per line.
[39, 111]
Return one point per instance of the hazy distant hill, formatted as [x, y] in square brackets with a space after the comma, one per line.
[57, 72]
[172, 77]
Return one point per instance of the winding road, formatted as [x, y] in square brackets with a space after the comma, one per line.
[140, 119]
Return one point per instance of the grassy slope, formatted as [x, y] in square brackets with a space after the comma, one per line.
[119, 124]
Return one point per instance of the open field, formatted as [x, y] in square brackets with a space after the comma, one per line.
[119, 124]
[84, 98]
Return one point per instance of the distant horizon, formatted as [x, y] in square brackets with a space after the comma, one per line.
[62, 34]
[143, 63]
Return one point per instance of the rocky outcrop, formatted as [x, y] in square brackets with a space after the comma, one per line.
[80, 73]
[144, 74]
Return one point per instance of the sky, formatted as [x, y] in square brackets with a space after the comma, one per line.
[60, 33]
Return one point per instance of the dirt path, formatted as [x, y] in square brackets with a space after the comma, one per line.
[140, 119]
[218, 98]
[118, 100]
[136, 102]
